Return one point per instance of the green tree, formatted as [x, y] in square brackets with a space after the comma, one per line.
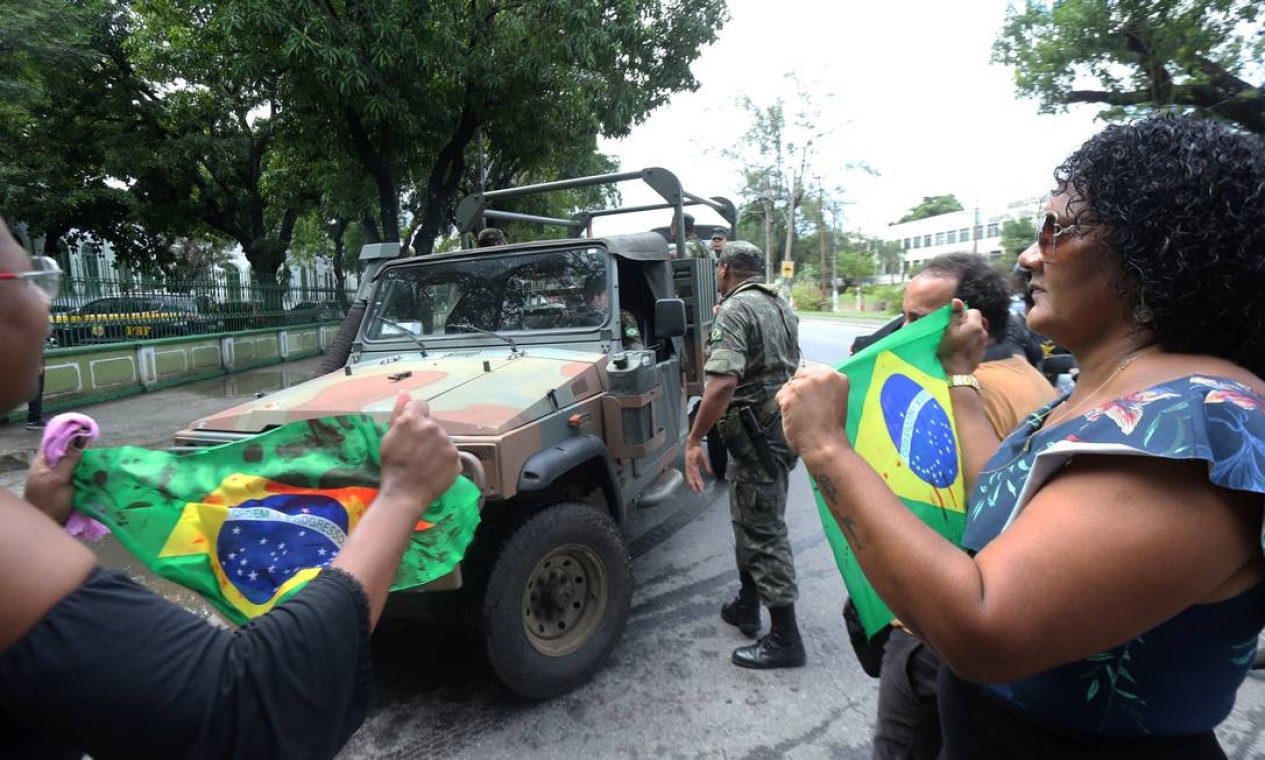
[1016, 235]
[70, 108]
[932, 205]
[408, 88]
[214, 165]
[1144, 55]
[889, 256]
[852, 267]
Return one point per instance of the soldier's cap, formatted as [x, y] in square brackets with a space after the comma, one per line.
[743, 256]
[719, 235]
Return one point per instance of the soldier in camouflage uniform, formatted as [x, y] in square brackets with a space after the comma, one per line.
[752, 351]
[694, 248]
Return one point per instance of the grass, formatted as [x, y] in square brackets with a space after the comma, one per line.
[878, 317]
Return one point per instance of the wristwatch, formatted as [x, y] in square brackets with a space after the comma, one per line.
[963, 381]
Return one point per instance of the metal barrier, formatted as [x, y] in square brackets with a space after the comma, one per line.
[111, 310]
[81, 375]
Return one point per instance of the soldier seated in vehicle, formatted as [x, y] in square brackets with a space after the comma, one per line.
[597, 305]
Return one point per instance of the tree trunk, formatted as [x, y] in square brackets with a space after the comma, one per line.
[371, 158]
[338, 233]
[450, 165]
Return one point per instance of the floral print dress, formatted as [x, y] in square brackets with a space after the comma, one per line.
[1181, 677]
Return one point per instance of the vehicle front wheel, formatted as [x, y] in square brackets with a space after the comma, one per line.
[555, 600]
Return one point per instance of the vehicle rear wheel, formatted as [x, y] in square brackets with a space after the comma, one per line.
[1258, 662]
[556, 598]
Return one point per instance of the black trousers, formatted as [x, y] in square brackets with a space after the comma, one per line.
[978, 726]
[907, 726]
[35, 407]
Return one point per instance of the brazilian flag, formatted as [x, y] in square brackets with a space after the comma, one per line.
[900, 420]
[248, 523]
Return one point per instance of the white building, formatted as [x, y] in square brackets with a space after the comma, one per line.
[974, 231]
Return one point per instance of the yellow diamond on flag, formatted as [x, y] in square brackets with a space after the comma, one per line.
[906, 433]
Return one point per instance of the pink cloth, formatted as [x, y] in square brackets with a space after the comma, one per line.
[59, 435]
[62, 431]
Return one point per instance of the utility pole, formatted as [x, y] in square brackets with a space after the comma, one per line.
[821, 238]
[975, 232]
[790, 225]
[768, 236]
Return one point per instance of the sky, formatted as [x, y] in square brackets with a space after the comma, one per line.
[903, 86]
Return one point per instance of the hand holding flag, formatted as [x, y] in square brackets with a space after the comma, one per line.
[418, 458]
[248, 523]
[889, 403]
[965, 339]
[814, 408]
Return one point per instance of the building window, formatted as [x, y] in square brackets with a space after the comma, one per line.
[939, 238]
[993, 231]
[952, 236]
[964, 234]
[917, 242]
[979, 231]
[906, 244]
[926, 240]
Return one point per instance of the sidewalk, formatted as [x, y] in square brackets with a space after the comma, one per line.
[151, 419]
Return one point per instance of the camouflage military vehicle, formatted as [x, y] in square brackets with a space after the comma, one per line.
[519, 350]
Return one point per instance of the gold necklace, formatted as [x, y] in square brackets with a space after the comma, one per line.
[1050, 420]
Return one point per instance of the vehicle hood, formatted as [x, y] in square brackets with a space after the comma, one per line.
[470, 392]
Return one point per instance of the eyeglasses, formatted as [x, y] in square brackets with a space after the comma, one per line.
[44, 274]
[1051, 231]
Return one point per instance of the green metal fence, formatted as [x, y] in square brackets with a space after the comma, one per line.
[106, 310]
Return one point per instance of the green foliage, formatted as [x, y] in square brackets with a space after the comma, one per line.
[889, 256]
[932, 205]
[809, 297]
[886, 297]
[409, 89]
[1144, 56]
[1016, 235]
[69, 116]
[149, 120]
[851, 266]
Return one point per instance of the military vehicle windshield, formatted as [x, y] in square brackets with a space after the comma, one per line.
[514, 293]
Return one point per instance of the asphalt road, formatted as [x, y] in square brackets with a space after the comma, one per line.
[668, 689]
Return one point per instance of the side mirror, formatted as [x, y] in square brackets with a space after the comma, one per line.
[669, 318]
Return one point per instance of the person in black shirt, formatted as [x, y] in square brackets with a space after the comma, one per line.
[90, 662]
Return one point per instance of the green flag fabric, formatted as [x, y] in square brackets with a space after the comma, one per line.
[246, 524]
[900, 420]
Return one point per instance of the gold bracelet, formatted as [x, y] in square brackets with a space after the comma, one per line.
[963, 381]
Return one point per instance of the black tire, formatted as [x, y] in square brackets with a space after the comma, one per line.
[1258, 662]
[555, 600]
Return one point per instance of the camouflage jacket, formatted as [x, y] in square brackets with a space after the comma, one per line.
[696, 249]
[756, 337]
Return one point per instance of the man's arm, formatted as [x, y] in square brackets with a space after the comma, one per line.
[717, 395]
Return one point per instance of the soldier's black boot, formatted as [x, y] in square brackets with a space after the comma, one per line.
[781, 648]
[744, 610]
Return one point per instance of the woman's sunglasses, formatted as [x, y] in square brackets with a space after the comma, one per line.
[1050, 231]
[44, 274]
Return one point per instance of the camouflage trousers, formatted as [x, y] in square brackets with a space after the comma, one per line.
[757, 506]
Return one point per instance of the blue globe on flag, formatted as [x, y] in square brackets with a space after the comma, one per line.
[920, 430]
[264, 542]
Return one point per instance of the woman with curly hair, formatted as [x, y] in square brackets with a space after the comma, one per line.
[1110, 597]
